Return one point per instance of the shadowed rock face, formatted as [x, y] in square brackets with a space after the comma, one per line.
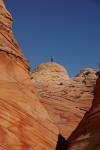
[87, 134]
[24, 122]
[66, 99]
[62, 143]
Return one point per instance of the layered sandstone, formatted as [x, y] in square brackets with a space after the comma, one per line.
[12, 61]
[87, 134]
[66, 99]
[24, 122]
[29, 122]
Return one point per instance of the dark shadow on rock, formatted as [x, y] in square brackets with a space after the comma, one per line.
[62, 143]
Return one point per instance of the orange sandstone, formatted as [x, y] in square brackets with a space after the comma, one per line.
[24, 122]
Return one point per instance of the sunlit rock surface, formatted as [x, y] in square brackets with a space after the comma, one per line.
[24, 122]
[37, 106]
[66, 99]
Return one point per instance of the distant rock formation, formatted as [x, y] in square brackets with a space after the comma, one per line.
[66, 99]
[24, 122]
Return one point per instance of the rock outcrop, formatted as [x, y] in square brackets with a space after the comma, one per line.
[49, 72]
[66, 99]
[87, 134]
[10, 55]
[24, 122]
[36, 107]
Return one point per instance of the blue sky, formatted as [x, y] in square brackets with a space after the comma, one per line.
[67, 29]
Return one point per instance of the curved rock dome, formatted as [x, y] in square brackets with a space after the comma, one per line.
[50, 71]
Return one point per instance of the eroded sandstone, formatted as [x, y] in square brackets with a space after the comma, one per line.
[66, 99]
[87, 134]
[34, 105]
[24, 122]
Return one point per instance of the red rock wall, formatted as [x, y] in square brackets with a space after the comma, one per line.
[12, 60]
[87, 134]
[24, 122]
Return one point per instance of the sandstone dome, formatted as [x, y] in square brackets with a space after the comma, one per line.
[50, 71]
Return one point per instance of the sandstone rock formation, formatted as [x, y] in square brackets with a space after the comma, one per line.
[24, 122]
[66, 99]
[87, 134]
[33, 106]
[49, 72]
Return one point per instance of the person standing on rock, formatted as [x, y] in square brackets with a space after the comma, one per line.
[52, 59]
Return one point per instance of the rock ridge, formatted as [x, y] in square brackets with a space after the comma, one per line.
[8, 42]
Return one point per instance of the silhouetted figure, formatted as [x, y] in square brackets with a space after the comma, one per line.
[52, 59]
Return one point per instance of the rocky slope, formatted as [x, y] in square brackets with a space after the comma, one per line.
[24, 122]
[66, 99]
[87, 134]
